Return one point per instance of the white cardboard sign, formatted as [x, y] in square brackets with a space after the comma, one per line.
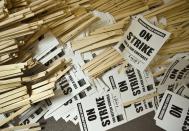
[141, 42]
[69, 85]
[161, 90]
[101, 112]
[70, 104]
[177, 71]
[131, 82]
[173, 112]
[139, 109]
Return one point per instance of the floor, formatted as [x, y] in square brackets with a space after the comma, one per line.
[144, 123]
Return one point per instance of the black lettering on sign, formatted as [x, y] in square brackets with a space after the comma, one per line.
[68, 102]
[63, 84]
[103, 112]
[91, 114]
[186, 123]
[176, 111]
[133, 81]
[82, 117]
[123, 86]
[171, 87]
[144, 34]
[127, 106]
[67, 91]
[73, 82]
[182, 72]
[112, 81]
[164, 107]
[138, 107]
[134, 59]
[143, 23]
[139, 54]
[139, 44]
[27, 121]
[173, 74]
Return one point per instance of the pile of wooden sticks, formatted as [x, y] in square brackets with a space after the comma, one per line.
[20, 91]
[23, 22]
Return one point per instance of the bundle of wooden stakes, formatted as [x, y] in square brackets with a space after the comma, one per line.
[15, 87]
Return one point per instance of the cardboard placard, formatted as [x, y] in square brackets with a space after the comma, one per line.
[131, 82]
[141, 42]
[173, 112]
[101, 112]
[123, 81]
[70, 104]
[178, 71]
[69, 85]
[138, 109]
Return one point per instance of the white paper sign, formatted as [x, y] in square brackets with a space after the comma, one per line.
[177, 71]
[70, 104]
[68, 86]
[176, 74]
[161, 90]
[173, 113]
[131, 82]
[138, 109]
[141, 42]
[101, 112]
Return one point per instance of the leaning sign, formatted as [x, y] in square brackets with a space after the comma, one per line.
[141, 42]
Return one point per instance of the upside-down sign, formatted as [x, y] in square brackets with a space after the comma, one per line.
[141, 42]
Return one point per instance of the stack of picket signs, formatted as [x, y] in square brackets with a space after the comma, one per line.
[96, 63]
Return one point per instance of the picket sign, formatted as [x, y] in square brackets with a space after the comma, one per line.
[172, 113]
[141, 42]
[101, 112]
